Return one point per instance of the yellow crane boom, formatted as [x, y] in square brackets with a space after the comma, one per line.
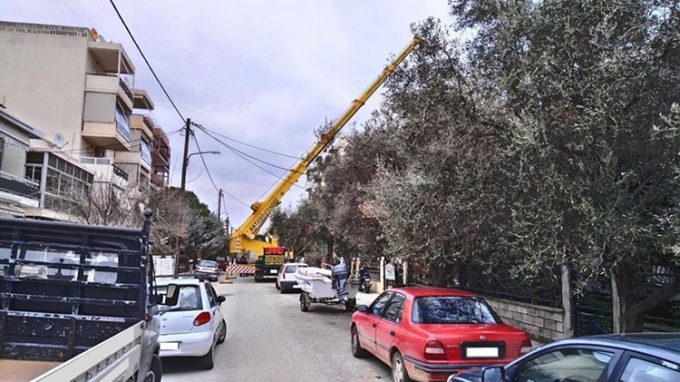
[244, 238]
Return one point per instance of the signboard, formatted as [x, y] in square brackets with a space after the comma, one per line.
[273, 259]
[389, 272]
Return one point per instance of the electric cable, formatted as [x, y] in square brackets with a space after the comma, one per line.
[147, 61]
[246, 156]
[205, 165]
[249, 145]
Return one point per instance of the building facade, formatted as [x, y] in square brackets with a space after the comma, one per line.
[79, 89]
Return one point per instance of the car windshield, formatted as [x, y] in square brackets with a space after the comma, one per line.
[452, 310]
[208, 264]
[189, 298]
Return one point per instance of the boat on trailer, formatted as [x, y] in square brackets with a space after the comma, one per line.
[317, 286]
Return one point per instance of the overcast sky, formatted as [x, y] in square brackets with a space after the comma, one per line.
[264, 72]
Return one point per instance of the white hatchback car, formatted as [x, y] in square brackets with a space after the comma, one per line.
[194, 324]
[285, 280]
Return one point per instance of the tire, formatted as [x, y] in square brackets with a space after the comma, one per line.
[207, 362]
[399, 373]
[350, 304]
[282, 290]
[155, 371]
[304, 302]
[223, 333]
[357, 350]
[276, 283]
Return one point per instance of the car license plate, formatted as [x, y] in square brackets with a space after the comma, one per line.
[481, 352]
[169, 345]
[274, 271]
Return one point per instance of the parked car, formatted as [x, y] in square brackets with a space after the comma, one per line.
[426, 334]
[192, 321]
[207, 269]
[647, 357]
[285, 280]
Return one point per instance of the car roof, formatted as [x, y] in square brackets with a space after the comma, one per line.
[418, 291]
[287, 264]
[661, 345]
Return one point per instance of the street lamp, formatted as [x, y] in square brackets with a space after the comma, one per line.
[185, 165]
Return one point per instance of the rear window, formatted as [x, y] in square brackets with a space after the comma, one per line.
[208, 264]
[452, 310]
[189, 298]
[293, 268]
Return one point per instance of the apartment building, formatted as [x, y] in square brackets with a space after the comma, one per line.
[79, 88]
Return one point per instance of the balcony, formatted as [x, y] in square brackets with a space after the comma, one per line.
[105, 170]
[110, 84]
[135, 158]
[158, 180]
[106, 134]
[144, 123]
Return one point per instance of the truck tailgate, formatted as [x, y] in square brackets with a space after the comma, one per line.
[15, 371]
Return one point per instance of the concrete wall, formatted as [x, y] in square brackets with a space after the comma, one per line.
[541, 322]
[42, 77]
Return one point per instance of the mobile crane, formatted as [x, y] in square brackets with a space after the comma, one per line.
[246, 242]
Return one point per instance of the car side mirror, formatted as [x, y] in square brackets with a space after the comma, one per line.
[221, 299]
[362, 308]
[172, 295]
[493, 374]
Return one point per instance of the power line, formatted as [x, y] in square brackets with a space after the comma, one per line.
[147, 61]
[205, 165]
[246, 157]
[250, 145]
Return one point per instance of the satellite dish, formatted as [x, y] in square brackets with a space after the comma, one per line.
[59, 140]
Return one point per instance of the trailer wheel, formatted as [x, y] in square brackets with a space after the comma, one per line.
[155, 371]
[304, 302]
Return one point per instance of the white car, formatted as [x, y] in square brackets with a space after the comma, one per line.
[194, 324]
[208, 269]
[285, 281]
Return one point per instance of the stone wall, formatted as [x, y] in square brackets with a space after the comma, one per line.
[541, 322]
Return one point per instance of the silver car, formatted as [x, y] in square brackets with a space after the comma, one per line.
[195, 324]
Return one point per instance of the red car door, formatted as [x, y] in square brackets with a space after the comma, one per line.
[388, 327]
[367, 322]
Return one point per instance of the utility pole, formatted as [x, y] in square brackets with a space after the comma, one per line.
[185, 161]
[219, 205]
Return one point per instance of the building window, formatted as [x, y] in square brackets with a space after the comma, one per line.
[2, 149]
[146, 151]
[123, 123]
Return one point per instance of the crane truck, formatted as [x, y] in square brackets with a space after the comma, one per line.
[246, 242]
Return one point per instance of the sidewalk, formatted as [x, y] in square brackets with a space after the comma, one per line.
[366, 298]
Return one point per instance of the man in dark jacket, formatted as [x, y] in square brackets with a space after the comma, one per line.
[340, 274]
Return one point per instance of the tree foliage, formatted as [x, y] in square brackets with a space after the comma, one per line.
[525, 135]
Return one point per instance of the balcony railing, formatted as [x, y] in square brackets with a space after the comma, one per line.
[18, 186]
[125, 88]
[96, 161]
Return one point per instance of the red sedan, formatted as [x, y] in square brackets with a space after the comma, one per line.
[427, 334]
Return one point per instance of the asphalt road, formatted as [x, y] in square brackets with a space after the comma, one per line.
[270, 339]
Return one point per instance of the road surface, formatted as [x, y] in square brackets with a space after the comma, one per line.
[270, 339]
